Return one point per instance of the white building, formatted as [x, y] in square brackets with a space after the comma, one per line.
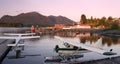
[81, 26]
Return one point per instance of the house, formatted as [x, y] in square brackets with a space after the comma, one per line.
[59, 26]
[81, 26]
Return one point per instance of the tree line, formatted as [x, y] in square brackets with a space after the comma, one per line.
[95, 22]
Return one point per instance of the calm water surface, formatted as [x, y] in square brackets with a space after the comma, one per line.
[36, 50]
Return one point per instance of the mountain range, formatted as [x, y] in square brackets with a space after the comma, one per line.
[35, 18]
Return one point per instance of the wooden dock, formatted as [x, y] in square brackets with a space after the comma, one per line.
[4, 49]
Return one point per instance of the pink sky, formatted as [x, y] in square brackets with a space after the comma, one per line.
[69, 8]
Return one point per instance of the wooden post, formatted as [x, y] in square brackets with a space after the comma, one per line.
[18, 53]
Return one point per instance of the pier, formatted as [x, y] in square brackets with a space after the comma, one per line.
[4, 49]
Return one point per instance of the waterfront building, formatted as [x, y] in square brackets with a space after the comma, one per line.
[81, 26]
[59, 26]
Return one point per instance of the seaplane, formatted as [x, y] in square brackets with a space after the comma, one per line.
[87, 47]
[18, 37]
[78, 47]
[65, 55]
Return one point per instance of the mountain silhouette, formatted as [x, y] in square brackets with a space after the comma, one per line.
[35, 18]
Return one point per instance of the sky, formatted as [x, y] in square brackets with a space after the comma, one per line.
[73, 9]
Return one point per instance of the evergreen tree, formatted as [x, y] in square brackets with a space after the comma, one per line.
[83, 19]
[102, 21]
[109, 22]
[114, 25]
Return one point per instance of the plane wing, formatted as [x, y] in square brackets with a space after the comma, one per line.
[8, 37]
[17, 39]
[18, 34]
[29, 37]
[94, 49]
[15, 45]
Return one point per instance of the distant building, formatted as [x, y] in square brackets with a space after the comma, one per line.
[59, 26]
[81, 26]
[101, 27]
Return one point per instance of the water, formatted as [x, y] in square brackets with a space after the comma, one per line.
[36, 50]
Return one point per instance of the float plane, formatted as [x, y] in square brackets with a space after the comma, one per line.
[87, 47]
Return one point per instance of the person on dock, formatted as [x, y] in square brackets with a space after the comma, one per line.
[37, 30]
[32, 29]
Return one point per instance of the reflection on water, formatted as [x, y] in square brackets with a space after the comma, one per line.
[110, 40]
[92, 38]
